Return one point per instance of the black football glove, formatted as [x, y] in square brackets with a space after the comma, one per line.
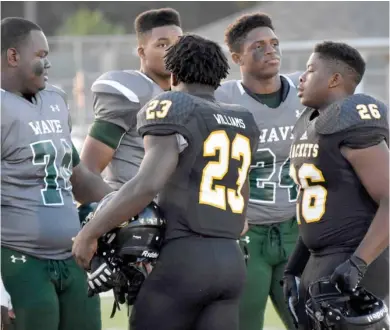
[290, 292]
[101, 277]
[347, 276]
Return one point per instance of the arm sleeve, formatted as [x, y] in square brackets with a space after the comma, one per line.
[75, 156]
[108, 133]
[168, 113]
[363, 137]
[116, 109]
[298, 259]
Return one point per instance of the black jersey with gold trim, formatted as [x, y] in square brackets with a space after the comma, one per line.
[203, 196]
[334, 209]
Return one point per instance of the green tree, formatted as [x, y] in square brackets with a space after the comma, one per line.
[88, 22]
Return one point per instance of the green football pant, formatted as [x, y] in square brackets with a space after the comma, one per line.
[48, 294]
[269, 248]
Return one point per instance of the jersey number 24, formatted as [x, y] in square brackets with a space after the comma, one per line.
[217, 195]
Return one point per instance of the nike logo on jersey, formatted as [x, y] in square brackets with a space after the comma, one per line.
[303, 137]
[276, 134]
[41, 127]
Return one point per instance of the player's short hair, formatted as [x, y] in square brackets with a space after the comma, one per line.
[196, 60]
[154, 18]
[344, 57]
[236, 32]
[14, 31]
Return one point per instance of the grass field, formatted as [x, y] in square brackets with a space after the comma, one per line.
[119, 322]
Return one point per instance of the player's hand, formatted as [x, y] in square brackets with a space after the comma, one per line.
[347, 276]
[245, 229]
[290, 289]
[290, 292]
[101, 277]
[83, 250]
[7, 313]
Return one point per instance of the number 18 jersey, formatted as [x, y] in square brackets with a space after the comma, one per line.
[203, 196]
[39, 216]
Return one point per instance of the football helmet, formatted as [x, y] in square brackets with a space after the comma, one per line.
[328, 308]
[137, 238]
[126, 253]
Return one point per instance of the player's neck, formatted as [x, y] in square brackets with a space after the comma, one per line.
[10, 83]
[195, 89]
[262, 86]
[164, 83]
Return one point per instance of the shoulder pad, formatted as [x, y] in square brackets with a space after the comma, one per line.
[355, 111]
[180, 101]
[167, 108]
[225, 92]
[58, 90]
[293, 78]
[131, 84]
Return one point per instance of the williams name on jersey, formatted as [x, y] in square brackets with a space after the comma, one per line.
[334, 209]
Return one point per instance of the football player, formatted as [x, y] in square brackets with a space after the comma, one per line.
[41, 173]
[272, 99]
[197, 157]
[113, 144]
[340, 160]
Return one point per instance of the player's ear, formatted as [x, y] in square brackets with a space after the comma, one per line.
[13, 57]
[236, 57]
[335, 80]
[141, 51]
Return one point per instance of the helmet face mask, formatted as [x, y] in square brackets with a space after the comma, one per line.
[328, 308]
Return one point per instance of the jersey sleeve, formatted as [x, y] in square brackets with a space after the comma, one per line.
[115, 102]
[168, 113]
[223, 92]
[359, 121]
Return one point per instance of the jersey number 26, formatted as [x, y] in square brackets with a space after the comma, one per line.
[218, 195]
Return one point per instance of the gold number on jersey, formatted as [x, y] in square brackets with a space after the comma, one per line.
[158, 109]
[216, 195]
[367, 112]
[314, 197]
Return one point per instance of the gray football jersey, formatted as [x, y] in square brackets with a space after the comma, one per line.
[117, 97]
[273, 193]
[39, 215]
